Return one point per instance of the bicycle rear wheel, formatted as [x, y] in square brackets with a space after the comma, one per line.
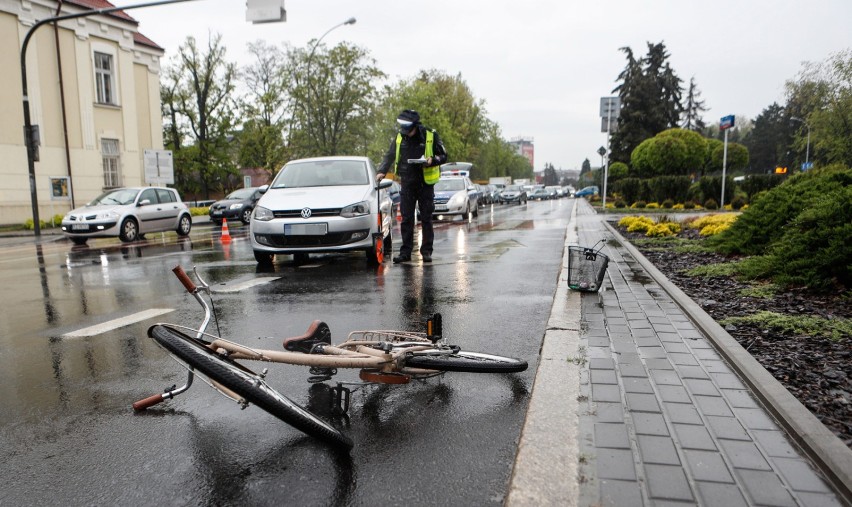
[472, 362]
[251, 387]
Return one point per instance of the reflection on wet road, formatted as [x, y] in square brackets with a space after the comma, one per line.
[69, 433]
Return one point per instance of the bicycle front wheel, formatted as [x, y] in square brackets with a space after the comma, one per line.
[247, 385]
[471, 362]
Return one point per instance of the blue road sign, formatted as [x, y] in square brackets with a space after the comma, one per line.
[726, 122]
[807, 165]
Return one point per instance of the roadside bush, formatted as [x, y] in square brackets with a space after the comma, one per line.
[201, 211]
[660, 230]
[814, 250]
[636, 224]
[668, 204]
[620, 204]
[631, 189]
[711, 204]
[710, 225]
[652, 205]
[737, 203]
[769, 215]
[688, 205]
[639, 204]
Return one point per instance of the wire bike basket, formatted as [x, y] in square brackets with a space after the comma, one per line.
[586, 268]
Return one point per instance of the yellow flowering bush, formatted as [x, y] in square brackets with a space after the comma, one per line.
[636, 224]
[710, 225]
[653, 205]
[662, 229]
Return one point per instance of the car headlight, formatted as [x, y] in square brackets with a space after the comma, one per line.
[263, 214]
[457, 199]
[236, 206]
[356, 210]
[107, 215]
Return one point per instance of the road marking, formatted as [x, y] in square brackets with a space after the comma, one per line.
[245, 285]
[117, 323]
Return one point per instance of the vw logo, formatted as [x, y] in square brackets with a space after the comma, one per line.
[306, 212]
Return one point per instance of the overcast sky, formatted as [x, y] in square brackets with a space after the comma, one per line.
[542, 66]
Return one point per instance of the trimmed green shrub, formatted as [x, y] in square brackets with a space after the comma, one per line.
[620, 204]
[668, 204]
[711, 204]
[688, 205]
[737, 202]
[768, 216]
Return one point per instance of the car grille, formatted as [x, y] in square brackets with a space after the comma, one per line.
[327, 240]
[441, 200]
[297, 213]
[219, 207]
[74, 218]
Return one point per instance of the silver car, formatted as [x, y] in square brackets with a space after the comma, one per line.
[326, 204]
[128, 213]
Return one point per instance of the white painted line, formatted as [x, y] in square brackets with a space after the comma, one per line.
[117, 323]
[245, 285]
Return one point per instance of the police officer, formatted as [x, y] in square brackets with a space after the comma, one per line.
[414, 141]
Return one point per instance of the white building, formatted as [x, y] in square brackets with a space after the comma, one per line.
[95, 117]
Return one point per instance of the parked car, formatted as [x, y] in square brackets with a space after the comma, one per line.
[325, 204]
[554, 191]
[129, 214]
[494, 193]
[539, 194]
[237, 205]
[513, 194]
[456, 195]
[587, 191]
[484, 195]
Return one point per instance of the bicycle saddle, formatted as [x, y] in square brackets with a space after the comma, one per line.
[318, 333]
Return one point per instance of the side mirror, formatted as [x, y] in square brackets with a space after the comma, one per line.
[144, 202]
[263, 188]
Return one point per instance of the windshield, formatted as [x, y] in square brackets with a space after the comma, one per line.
[512, 188]
[243, 193]
[445, 185]
[322, 173]
[118, 196]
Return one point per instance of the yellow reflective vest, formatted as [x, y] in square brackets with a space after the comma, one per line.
[430, 174]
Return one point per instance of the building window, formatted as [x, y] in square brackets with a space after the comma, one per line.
[104, 78]
[111, 157]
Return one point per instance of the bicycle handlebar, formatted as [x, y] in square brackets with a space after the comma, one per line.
[148, 402]
[184, 279]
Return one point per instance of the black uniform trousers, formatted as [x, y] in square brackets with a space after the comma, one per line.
[414, 193]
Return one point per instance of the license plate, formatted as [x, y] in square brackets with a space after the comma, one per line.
[440, 207]
[79, 227]
[305, 229]
[217, 212]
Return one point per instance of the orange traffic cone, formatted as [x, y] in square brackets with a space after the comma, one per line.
[226, 236]
[398, 215]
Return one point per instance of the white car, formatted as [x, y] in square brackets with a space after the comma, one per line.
[456, 195]
[325, 204]
[128, 213]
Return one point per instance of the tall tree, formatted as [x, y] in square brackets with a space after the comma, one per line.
[266, 112]
[821, 99]
[768, 142]
[549, 177]
[692, 109]
[335, 100]
[650, 94]
[199, 97]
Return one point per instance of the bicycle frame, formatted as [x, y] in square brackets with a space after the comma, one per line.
[378, 353]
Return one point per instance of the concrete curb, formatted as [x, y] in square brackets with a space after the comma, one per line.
[546, 466]
[827, 451]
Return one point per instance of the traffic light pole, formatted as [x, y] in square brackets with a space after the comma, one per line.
[29, 140]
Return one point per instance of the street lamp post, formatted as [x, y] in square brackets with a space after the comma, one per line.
[29, 137]
[808, 146]
[350, 21]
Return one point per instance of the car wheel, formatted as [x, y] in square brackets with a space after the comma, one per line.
[476, 211]
[263, 258]
[129, 230]
[184, 226]
[466, 214]
[246, 216]
[79, 241]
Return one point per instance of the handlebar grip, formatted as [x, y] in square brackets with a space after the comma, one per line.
[184, 279]
[148, 402]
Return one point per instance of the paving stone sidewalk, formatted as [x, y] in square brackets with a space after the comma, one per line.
[663, 418]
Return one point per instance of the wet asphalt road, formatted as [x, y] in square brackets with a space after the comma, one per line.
[69, 435]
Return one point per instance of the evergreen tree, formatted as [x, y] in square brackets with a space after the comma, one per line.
[650, 93]
[693, 108]
[769, 141]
